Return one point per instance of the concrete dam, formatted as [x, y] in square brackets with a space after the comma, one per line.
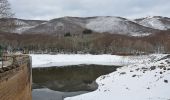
[16, 79]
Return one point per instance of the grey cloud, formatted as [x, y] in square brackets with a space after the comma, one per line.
[48, 9]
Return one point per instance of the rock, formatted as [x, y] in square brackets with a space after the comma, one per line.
[137, 69]
[166, 81]
[168, 62]
[161, 72]
[133, 75]
[144, 68]
[164, 68]
[122, 73]
[152, 67]
[161, 66]
[148, 88]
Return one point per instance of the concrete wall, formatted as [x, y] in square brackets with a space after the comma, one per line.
[15, 84]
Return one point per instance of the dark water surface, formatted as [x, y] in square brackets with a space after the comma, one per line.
[69, 80]
[46, 94]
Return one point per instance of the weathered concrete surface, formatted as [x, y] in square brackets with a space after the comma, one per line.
[15, 84]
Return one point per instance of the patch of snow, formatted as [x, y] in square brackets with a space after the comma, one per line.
[21, 23]
[22, 29]
[45, 60]
[115, 25]
[153, 22]
[140, 35]
[107, 24]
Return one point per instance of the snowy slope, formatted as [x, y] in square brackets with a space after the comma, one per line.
[155, 22]
[117, 25]
[145, 80]
[21, 25]
[24, 25]
[101, 24]
[59, 26]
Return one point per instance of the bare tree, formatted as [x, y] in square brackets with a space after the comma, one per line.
[6, 23]
[5, 10]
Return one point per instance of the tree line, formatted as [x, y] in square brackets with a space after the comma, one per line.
[94, 43]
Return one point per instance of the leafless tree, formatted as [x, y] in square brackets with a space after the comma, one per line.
[5, 10]
[6, 23]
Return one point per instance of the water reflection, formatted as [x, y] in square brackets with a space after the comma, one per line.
[70, 80]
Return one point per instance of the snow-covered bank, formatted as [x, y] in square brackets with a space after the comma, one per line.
[148, 79]
[45, 60]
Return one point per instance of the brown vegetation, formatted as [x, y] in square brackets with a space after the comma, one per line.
[90, 43]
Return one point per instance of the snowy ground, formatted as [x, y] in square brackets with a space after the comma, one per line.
[45, 60]
[148, 79]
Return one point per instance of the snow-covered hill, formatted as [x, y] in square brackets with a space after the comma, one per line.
[155, 22]
[59, 26]
[24, 25]
[148, 79]
[21, 25]
[117, 25]
[99, 24]
[103, 24]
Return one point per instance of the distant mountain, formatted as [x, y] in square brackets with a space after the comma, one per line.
[117, 25]
[20, 24]
[99, 24]
[75, 25]
[59, 26]
[155, 22]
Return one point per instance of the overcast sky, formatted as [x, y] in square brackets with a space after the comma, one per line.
[49, 9]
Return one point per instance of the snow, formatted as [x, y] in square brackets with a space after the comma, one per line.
[24, 26]
[109, 24]
[46, 60]
[140, 78]
[101, 24]
[153, 22]
[22, 29]
[105, 24]
[115, 25]
[135, 81]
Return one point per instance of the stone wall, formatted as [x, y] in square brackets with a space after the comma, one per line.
[16, 83]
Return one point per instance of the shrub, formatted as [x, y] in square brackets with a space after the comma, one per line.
[87, 31]
[68, 34]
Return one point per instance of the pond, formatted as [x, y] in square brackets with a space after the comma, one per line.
[57, 83]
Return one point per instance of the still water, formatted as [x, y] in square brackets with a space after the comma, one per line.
[56, 83]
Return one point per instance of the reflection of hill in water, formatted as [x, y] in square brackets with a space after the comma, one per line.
[70, 78]
[46, 94]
